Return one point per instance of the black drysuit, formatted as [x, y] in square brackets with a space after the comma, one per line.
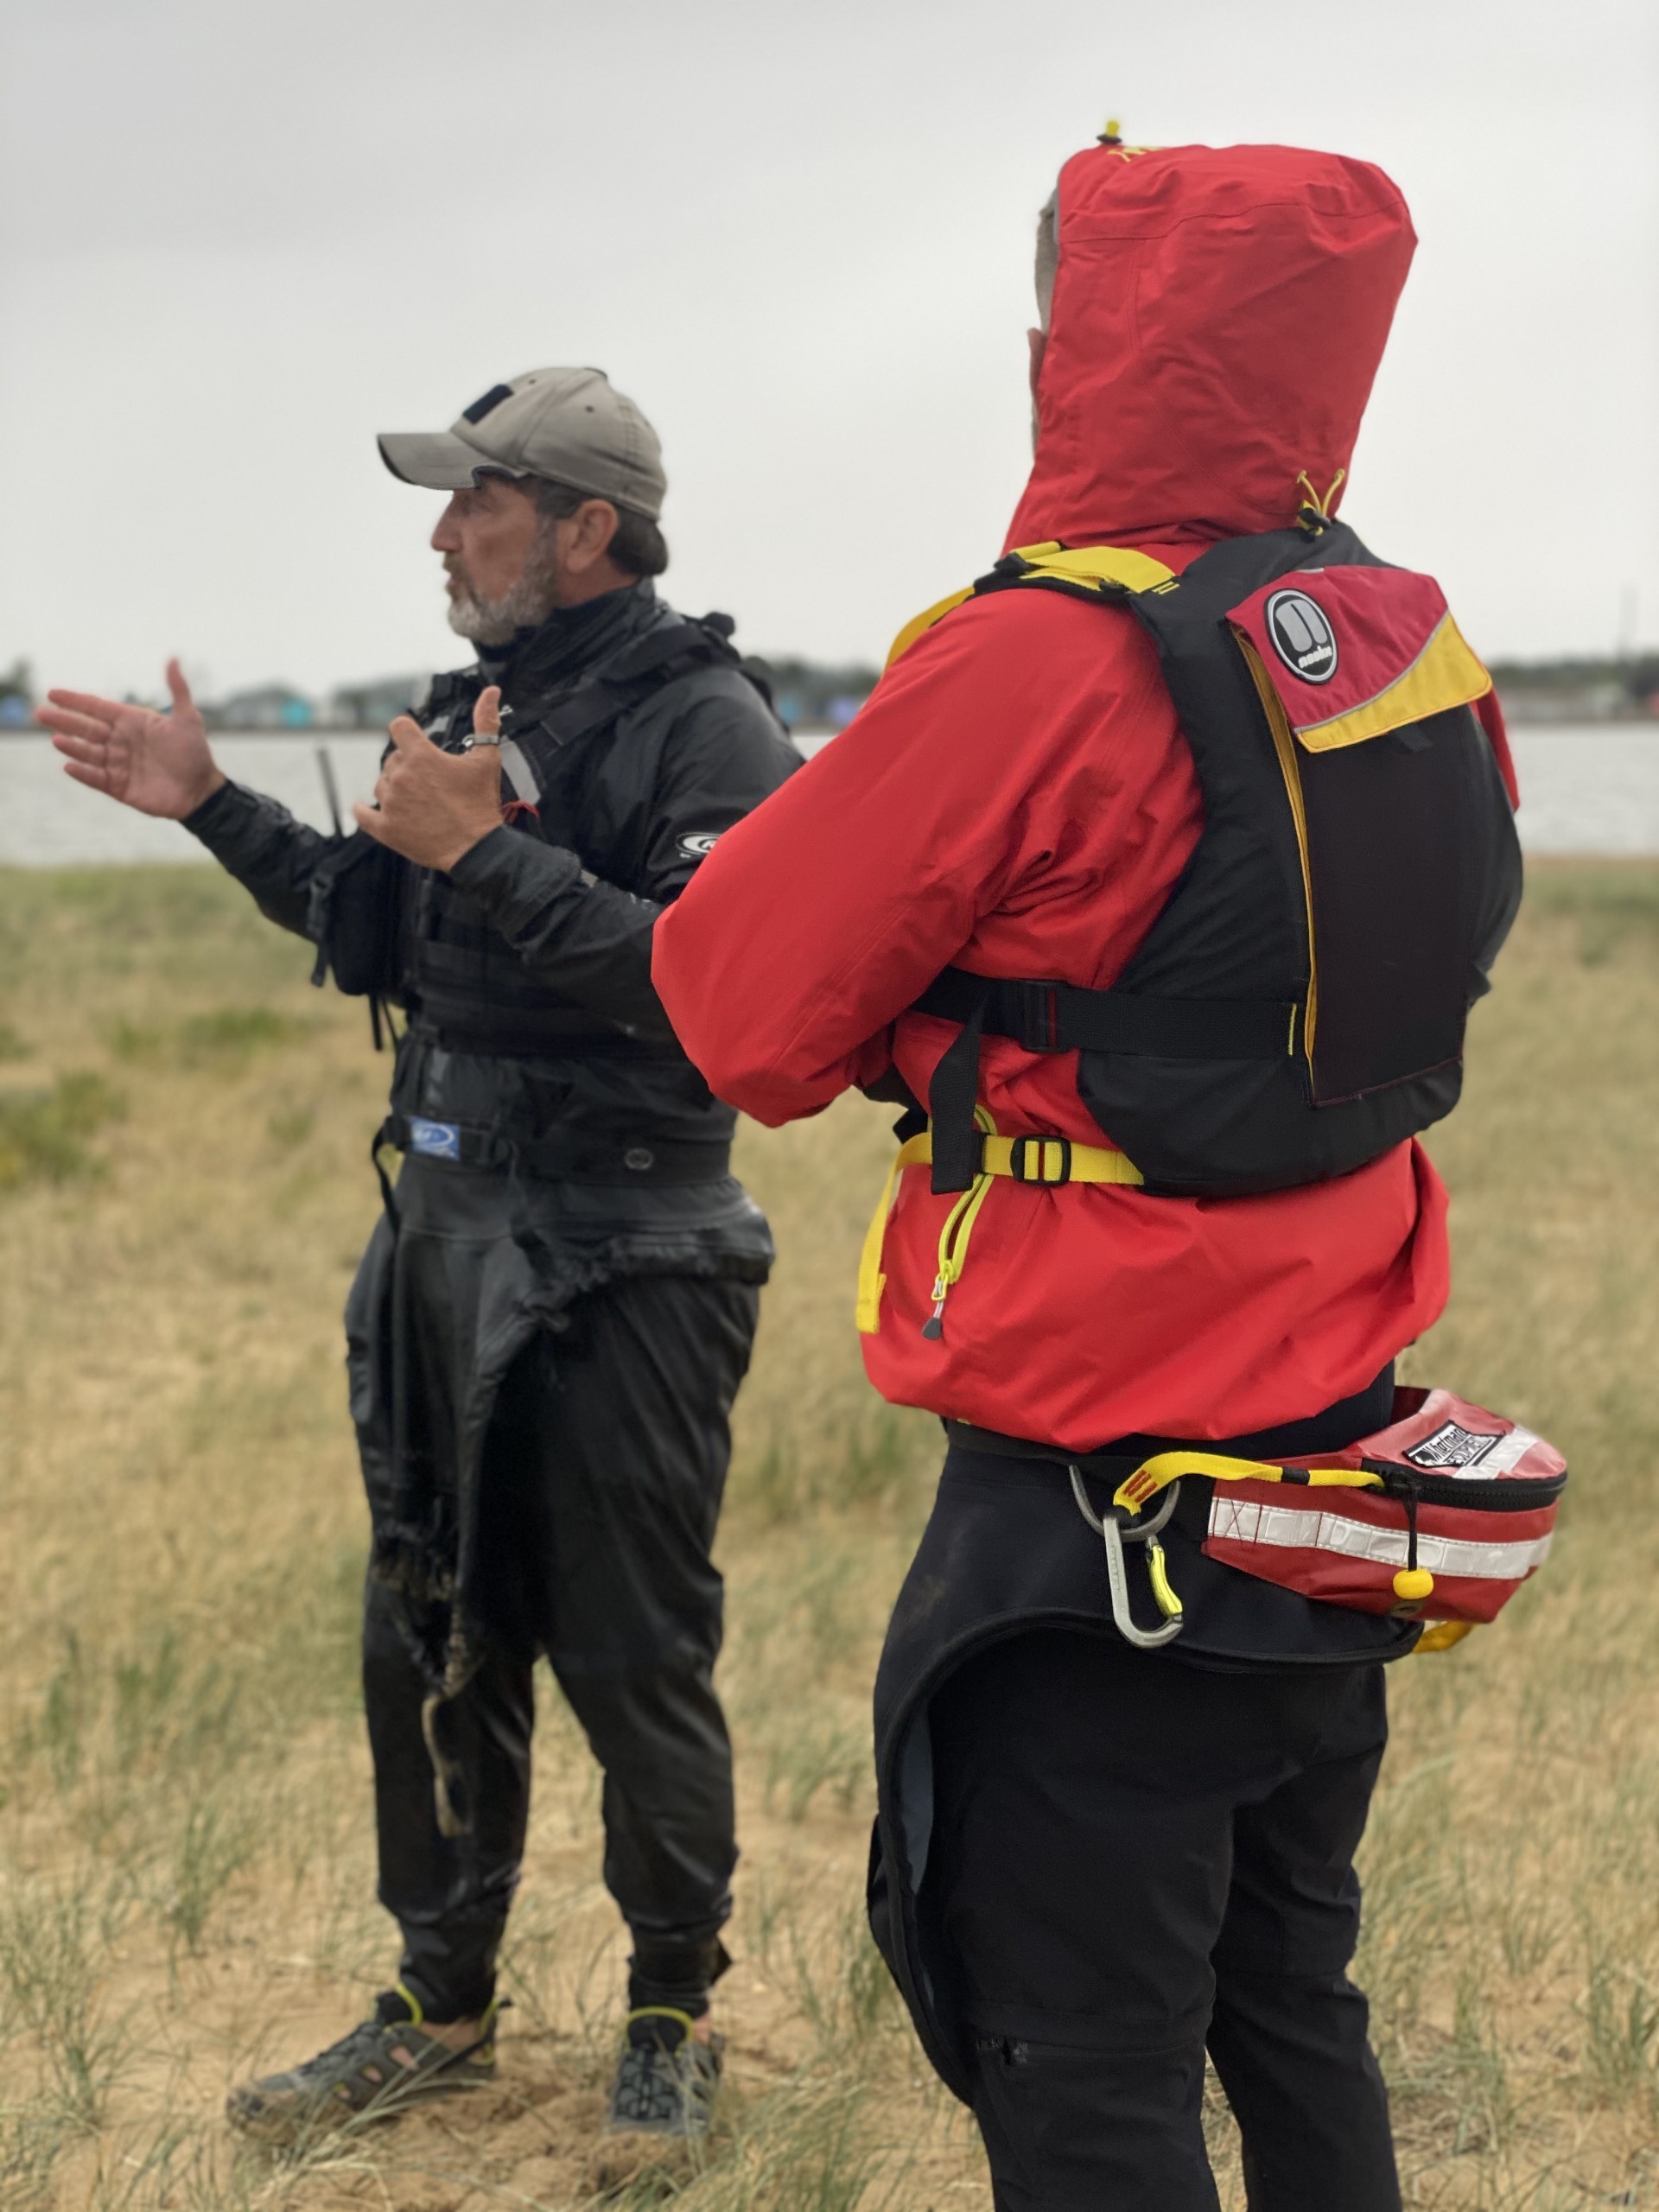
[1093, 1862]
[552, 1320]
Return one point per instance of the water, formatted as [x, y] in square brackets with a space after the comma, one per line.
[1593, 789]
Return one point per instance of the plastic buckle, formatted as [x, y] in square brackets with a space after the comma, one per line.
[1024, 1150]
[1039, 1017]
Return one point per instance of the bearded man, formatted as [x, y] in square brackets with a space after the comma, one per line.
[554, 1314]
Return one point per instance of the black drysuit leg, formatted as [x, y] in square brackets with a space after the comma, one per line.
[1133, 1858]
[602, 1476]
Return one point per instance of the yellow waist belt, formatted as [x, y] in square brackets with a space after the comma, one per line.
[1049, 1162]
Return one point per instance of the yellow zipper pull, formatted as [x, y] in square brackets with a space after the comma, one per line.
[953, 1237]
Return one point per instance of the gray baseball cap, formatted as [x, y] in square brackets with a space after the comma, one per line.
[565, 425]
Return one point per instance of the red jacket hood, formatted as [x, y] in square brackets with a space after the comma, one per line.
[1218, 316]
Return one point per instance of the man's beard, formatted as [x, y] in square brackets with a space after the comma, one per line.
[531, 600]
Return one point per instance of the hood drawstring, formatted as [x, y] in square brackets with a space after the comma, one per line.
[1314, 512]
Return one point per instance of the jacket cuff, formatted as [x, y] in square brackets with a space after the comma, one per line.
[231, 807]
[512, 877]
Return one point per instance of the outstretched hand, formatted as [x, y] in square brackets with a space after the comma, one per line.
[158, 763]
[430, 805]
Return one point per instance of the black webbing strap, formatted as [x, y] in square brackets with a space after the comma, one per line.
[632, 675]
[1053, 1017]
[1048, 1017]
[952, 1097]
[648, 1161]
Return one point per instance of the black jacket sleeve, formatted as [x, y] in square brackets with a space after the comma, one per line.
[258, 841]
[587, 938]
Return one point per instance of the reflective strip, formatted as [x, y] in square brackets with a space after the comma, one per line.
[1241, 1520]
[1507, 1453]
[520, 774]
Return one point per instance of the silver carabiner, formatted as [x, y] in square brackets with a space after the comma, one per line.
[1113, 1536]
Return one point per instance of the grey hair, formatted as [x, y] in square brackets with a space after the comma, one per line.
[1048, 256]
[639, 546]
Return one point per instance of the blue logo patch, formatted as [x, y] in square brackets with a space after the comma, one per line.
[437, 1140]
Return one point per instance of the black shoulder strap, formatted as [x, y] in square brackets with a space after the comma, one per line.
[642, 666]
[445, 690]
[1047, 1016]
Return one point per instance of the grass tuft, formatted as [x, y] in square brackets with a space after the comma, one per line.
[44, 1132]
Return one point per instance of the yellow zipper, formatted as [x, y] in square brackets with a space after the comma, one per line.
[1285, 744]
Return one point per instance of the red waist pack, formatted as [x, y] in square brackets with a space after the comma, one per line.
[1439, 1517]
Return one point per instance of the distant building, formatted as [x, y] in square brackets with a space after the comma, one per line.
[16, 696]
[373, 704]
[269, 706]
[1578, 691]
[810, 697]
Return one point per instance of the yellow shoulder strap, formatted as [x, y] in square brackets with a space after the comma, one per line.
[1116, 568]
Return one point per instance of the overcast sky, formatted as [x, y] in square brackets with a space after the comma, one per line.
[242, 236]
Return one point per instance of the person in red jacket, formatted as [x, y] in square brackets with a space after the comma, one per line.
[1094, 1860]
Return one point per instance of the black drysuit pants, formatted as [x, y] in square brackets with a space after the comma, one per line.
[603, 1474]
[1134, 1858]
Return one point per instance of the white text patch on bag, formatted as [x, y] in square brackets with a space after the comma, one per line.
[1452, 1446]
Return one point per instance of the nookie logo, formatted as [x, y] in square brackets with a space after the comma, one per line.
[1302, 636]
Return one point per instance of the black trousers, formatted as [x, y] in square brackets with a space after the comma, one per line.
[1135, 1859]
[603, 1469]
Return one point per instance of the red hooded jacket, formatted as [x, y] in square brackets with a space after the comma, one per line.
[1016, 799]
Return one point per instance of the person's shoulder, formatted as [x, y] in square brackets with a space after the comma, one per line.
[713, 697]
[1028, 647]
[1033, 618]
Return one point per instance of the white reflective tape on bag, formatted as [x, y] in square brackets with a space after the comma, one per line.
[1241, 1521]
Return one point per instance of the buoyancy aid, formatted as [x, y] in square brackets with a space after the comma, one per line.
[1298, 1006]
[389, 931]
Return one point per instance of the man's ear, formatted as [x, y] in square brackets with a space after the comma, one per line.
[594, 525]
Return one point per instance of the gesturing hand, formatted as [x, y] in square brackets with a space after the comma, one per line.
[430, 805]
[159, 764]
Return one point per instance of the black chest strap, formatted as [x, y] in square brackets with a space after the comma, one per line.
[1054, 1017]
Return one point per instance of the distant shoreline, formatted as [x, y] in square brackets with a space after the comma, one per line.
[1581, 725]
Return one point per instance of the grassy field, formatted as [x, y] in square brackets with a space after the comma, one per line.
[185, 1879]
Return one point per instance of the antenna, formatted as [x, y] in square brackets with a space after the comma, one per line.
[331, 789]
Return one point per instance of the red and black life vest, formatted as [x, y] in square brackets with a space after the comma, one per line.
[1298, 1007]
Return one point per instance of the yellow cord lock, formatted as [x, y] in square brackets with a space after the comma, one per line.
[1414, 1584]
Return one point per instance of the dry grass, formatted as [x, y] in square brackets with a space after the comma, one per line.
[186, 1884]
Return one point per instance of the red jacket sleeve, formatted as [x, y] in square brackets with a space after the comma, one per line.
[819, 918]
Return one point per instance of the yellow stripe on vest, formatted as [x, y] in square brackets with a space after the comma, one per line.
[924, 621]
[1119, 566]
[1097, 564]
[1445, 674]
